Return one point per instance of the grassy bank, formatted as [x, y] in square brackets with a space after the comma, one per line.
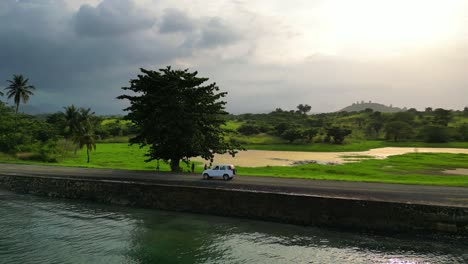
[415, 168]
[112, 156]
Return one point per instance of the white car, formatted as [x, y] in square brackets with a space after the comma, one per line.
[225, 171]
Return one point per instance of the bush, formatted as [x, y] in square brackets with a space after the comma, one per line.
[435, 134]
[292, 134]
[338, 134]
[248, 129]
[463, 131]
[45, 152]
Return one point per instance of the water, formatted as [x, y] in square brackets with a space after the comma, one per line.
[43, 230]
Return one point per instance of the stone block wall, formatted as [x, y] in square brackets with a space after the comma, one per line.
[277, 207]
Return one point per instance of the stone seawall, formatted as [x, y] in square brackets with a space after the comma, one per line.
[270, 206]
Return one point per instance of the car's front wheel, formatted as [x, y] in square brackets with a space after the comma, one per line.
[206, 176]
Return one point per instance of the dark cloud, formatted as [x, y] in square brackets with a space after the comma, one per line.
[175, 20]
[215, 32]
[111, 17]
[206, 32]
[84, 56]
[212, 33]
[38, 41]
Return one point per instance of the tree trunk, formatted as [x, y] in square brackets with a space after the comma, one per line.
[175, 165]
[16, 118]
[87, 152]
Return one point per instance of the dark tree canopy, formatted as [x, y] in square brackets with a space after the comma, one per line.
[292, 134]
[177, 116]
[338, 134]
[442, 117]
[397, 130]
[304, 108]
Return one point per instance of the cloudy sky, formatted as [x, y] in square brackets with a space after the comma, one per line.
[265, 54]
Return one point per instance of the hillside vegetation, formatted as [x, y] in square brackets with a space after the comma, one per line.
[348, 131]
[361, 106]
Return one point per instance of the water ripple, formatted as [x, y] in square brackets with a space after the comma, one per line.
[38, 230]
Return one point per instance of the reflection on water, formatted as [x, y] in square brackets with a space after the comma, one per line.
[41, 230]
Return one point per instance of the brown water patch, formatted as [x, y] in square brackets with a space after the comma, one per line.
[459, 171]
[261, 158]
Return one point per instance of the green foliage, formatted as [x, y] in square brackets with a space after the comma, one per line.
[435, 134]
[338, 134]
[248, 129]
[292, 134]
[80, 126]
[177, 116]
[281, 128]
[442, 117]
[309, 134]
[407, 117]
[463, 132]
[398, 130]
[304, 109]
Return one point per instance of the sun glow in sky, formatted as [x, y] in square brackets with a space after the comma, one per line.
[387, 27]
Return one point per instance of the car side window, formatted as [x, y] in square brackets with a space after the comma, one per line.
[223, 167]
[216, 168]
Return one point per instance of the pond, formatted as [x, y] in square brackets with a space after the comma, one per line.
[261, 158]
[43, 230]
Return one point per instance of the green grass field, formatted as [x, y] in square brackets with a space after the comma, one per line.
[415, 168]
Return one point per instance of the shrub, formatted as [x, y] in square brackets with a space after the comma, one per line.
[435, 134]
[248, 129]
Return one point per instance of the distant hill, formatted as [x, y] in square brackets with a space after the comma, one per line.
[360, 106]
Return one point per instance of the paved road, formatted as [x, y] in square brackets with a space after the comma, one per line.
[417, 194]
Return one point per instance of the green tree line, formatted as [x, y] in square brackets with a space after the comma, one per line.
[296, 126]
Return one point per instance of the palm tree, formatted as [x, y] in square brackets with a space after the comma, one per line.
[72, 123]
[81, 128]
[72, 119]
[19, 90]
[86, 138]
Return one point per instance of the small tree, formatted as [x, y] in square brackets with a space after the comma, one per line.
[398, 130]
[248, 129]
[304, 109]
[435, 134]
[281, 127]
[463, 131]
[442, 117]
[177, 116]
[86, 138]
[292, 134]
[338, 134]
[309, 134]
